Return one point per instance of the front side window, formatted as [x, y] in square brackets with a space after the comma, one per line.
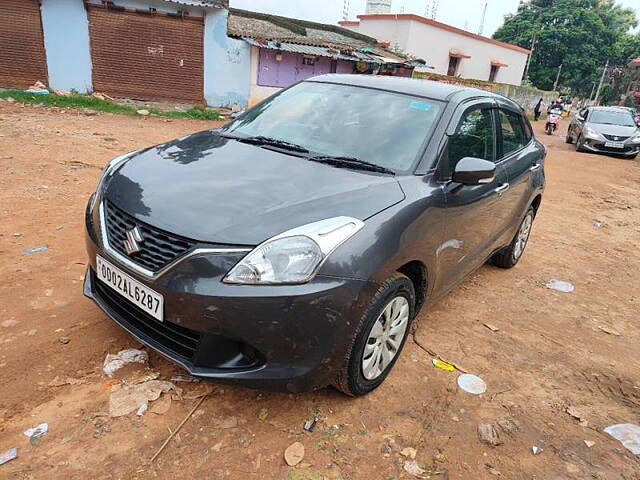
[384, 128]
[473, 138]
[513, 136]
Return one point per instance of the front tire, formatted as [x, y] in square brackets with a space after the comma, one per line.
[579, 142]
[549, 129]
[568, 138]
[380, 336]
[511, 255]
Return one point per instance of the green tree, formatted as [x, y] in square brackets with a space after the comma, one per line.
[579, 34]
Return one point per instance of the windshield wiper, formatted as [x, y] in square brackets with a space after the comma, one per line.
[272, 142]
[350, 162]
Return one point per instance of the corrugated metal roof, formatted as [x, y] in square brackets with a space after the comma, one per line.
[202, 3]
[353, 56]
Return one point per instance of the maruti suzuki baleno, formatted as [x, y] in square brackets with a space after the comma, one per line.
[292, 248]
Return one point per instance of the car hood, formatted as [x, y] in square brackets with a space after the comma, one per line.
[219, 190]
[616, 130]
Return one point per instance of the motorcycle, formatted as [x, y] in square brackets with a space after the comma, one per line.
[553, 120]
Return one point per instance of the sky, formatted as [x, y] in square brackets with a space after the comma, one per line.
[459, 13]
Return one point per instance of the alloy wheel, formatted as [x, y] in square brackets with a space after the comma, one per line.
[522, 236]
[385, 337]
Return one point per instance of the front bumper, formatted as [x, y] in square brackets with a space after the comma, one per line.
[598, 146]
[285, 338]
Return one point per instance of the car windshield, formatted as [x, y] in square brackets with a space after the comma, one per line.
[383, 128]
[610, 117]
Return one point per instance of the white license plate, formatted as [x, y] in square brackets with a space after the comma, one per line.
[138, 294]
[614, 144]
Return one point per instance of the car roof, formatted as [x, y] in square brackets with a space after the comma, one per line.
[410, 86]
[604, 108]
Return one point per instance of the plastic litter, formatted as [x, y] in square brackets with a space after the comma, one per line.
[37, 431]
[310, 425]
[628, 434]
[112, 363]
[412, 468]
[560, 286]
[42, 248]
[132, 398]
[143, 409]
[442, 365]
[185, 378]
[472, 384]
[609, 330]
[536, 450]
[9, 455]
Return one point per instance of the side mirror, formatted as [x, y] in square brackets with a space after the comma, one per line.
[474, 171]
[580, 118]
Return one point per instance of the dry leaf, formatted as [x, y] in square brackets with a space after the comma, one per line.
[202, 390]
[409, 452]
[493, 328]
[161, 406]
[294, 454]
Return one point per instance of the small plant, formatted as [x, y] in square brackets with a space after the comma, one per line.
[264, 413]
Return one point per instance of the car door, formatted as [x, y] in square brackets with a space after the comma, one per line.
[575, 127]
[471, 210]
[521, 158]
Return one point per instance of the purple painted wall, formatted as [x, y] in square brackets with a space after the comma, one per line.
[291, 68]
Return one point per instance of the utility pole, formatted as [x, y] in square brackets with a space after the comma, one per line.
[555, 84]
[484, 15]
[604, 71]
[533, 46]
[593, 87]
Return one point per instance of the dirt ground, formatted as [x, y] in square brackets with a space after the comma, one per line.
[551, 351]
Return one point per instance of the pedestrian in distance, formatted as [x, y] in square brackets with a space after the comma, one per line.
[537, 110]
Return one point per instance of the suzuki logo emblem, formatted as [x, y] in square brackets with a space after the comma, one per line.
[133, 241]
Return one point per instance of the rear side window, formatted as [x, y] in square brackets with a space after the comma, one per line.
[473, 138]
[513, 135]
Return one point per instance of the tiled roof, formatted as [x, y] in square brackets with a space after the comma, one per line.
[271, 29]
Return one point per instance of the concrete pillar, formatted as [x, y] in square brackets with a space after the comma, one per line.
[66, 41]
[226, 63]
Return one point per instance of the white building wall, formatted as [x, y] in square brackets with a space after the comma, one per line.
[433, 44]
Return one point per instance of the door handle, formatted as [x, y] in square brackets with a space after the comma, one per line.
[502, 188]
[535, 167]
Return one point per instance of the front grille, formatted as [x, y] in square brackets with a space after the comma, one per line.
[615, 138]
[183, 342]
[159, 248]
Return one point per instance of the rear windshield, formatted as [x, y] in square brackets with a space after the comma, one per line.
[379, 127]
[609, 117]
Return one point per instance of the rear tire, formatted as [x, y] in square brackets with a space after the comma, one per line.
[352, 379]
[509, 257]
[549, 129]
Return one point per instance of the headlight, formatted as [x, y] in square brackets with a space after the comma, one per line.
[635, 139]
[108, 170]
[293, 257]
[591, 133]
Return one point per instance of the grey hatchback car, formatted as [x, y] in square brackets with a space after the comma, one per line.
[292, 248]
[610, 130]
